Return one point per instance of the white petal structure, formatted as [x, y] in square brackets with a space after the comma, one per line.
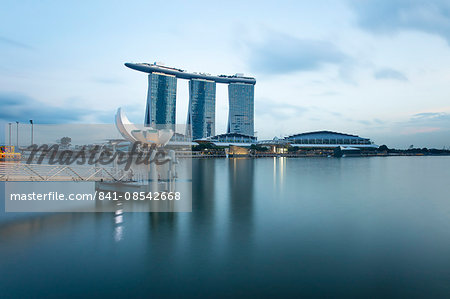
[147, 135]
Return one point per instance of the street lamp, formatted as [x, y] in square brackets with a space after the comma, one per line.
[31, 122]
[10, 133]
[17, 134]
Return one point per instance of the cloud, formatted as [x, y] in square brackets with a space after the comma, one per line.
[413, 131]
[388, 16]
[426, 122]
[279, 110]
[22, 108]
[284, 111]
[378, 121]
[431, 117]
[364, 122]
[327, 94]
[373, 123]
[427, 129]
[280, 53]
[14, 43]
[107, 80]
[388, 73]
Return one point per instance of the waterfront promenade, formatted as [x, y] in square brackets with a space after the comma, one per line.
[18, 171]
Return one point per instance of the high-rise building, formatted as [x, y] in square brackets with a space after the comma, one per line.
[201, 121]
[241, 108]
[161, 99]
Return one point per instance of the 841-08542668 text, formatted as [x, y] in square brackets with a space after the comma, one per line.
[97, 195]
[138, 195]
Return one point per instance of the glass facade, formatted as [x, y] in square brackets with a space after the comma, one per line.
[241, 108]
[161, 99]
[232, 137]
[201, 121]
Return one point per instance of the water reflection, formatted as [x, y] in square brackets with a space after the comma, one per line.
[240, 180]
[204, 180]
[279, 171]
[162, 222]
[336, 233]
[118, 230]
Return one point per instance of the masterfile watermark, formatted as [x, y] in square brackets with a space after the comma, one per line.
[97, 169]
[52, 196]
[140, 153]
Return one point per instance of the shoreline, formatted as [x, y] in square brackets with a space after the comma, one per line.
[314, 156]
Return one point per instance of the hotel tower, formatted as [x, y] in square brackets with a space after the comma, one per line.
[201, 119]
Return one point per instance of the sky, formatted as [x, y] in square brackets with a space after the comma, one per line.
[378, 69]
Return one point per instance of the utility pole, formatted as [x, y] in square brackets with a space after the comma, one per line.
[31, 122]
[10, 134]
[17, 135]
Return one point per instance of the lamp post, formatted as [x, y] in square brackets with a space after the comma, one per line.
[31, 122]
[10, 134]
[17, 134]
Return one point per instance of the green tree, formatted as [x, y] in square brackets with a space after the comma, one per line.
[65, 141]
[383, 148]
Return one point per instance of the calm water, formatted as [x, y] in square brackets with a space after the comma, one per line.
[350, 227]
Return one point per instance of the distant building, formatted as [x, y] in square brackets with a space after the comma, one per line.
[241, 108]
[229, 139]
[328, 139]
[201, 120]
[161, 99]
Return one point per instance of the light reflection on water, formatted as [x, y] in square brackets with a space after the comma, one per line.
[268, 227]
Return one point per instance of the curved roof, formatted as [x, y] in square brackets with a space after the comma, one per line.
[323, 135]
[154, 68]
[231, 135]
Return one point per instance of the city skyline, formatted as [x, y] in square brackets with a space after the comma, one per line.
[372, 68]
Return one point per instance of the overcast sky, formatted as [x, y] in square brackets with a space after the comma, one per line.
[378, 69]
